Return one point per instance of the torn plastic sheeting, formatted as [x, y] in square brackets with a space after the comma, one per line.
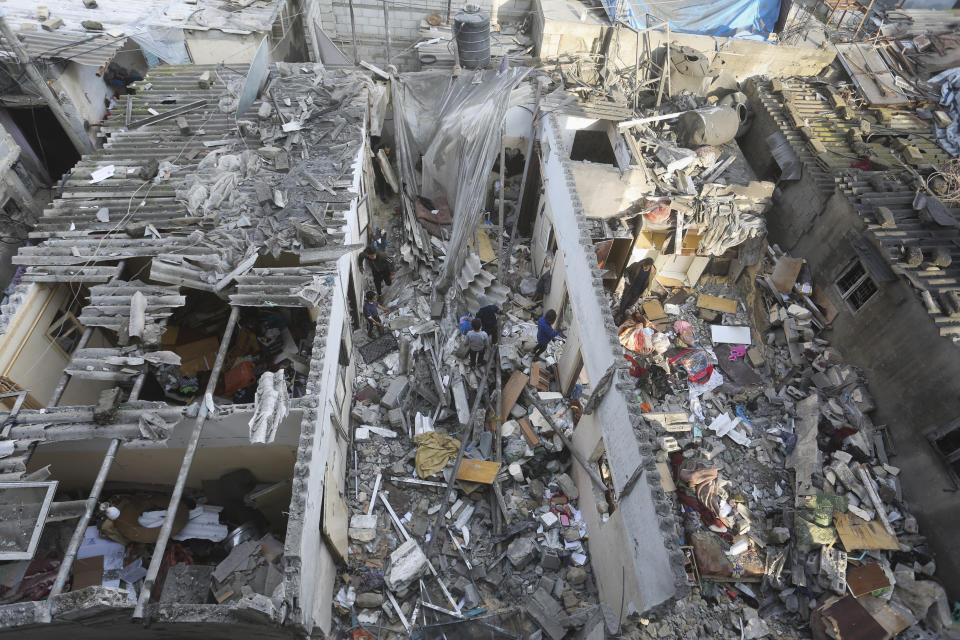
[753, 19]
[166, 45]
[453, 124]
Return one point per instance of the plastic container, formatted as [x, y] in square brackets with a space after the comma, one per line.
[472, 29]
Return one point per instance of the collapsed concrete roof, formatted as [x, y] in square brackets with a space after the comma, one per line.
[904, 231]
[195, 196]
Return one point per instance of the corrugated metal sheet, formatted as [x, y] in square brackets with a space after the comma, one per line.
[92, 50]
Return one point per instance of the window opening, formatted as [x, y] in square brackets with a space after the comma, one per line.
[856, 286]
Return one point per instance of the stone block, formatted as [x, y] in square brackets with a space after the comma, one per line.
[391, 399]
[567, 486]
[363, 528]
[52, 24]
[407, 563]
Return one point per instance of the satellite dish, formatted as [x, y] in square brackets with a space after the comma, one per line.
[256, 76]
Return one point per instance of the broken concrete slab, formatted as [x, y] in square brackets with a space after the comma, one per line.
[407, 563]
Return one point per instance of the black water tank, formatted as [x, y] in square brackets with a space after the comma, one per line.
[472, 30]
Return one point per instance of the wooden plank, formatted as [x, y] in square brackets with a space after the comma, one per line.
[857, 534]
[482, 471]
[653, 310]
[868, 579]
[512, 390]
[724, 305]
[785, 273]
[532, 438]
[336, 517]
[666, 478]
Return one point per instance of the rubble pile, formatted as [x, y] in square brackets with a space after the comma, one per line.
[793, 517]
[511, 534]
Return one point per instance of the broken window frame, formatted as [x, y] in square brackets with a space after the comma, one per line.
[55, 333]
[848, 294]
[50, 489]
[951, 457]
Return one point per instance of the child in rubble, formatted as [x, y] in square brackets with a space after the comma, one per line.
[546, 333]
[371, 311]
[477, 343]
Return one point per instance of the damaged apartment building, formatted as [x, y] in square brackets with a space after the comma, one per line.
[72, 63]
[174, 366]
[739, 424]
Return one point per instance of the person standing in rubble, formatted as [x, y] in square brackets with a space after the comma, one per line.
[487, 313]
[639, 278]
[371, 311]
[545, 332]
[477, 343]
[380, 266]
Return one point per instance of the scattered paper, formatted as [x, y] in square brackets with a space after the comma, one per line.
[102, 174]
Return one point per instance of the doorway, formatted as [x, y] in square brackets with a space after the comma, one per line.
[45, 136]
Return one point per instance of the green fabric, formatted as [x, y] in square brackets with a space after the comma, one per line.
[434, 451]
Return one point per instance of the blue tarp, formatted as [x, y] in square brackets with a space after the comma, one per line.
[728, 18]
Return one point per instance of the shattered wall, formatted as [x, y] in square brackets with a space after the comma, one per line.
[913, 379]
[653, 572]
[311, 566]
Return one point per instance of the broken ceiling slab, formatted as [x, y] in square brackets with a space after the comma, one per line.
[284, 287]
[110, 304]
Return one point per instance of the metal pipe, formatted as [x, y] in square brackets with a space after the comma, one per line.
[353, 36]
[167, 528]
[137, 387]
[548, 415]
[81, 529]
[386, 28]
[72, 127]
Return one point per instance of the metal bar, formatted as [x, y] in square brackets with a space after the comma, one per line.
[386, 28]
[166, 529]
[503, 194]
[594, 475]
[353, 35]
[137, 387]
[373, 499]
[81, 529]
[173, 113]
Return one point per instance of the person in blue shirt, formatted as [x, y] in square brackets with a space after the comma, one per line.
[371, 311]
[546, 332]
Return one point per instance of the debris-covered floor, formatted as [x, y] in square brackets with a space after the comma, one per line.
[792, 514]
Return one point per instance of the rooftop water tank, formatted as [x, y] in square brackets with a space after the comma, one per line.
[472, 30]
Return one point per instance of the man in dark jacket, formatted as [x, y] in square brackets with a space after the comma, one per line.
[380, 266]
[487, 313]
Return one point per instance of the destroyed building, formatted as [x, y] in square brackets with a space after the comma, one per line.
[179, 331]
[213, 426]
